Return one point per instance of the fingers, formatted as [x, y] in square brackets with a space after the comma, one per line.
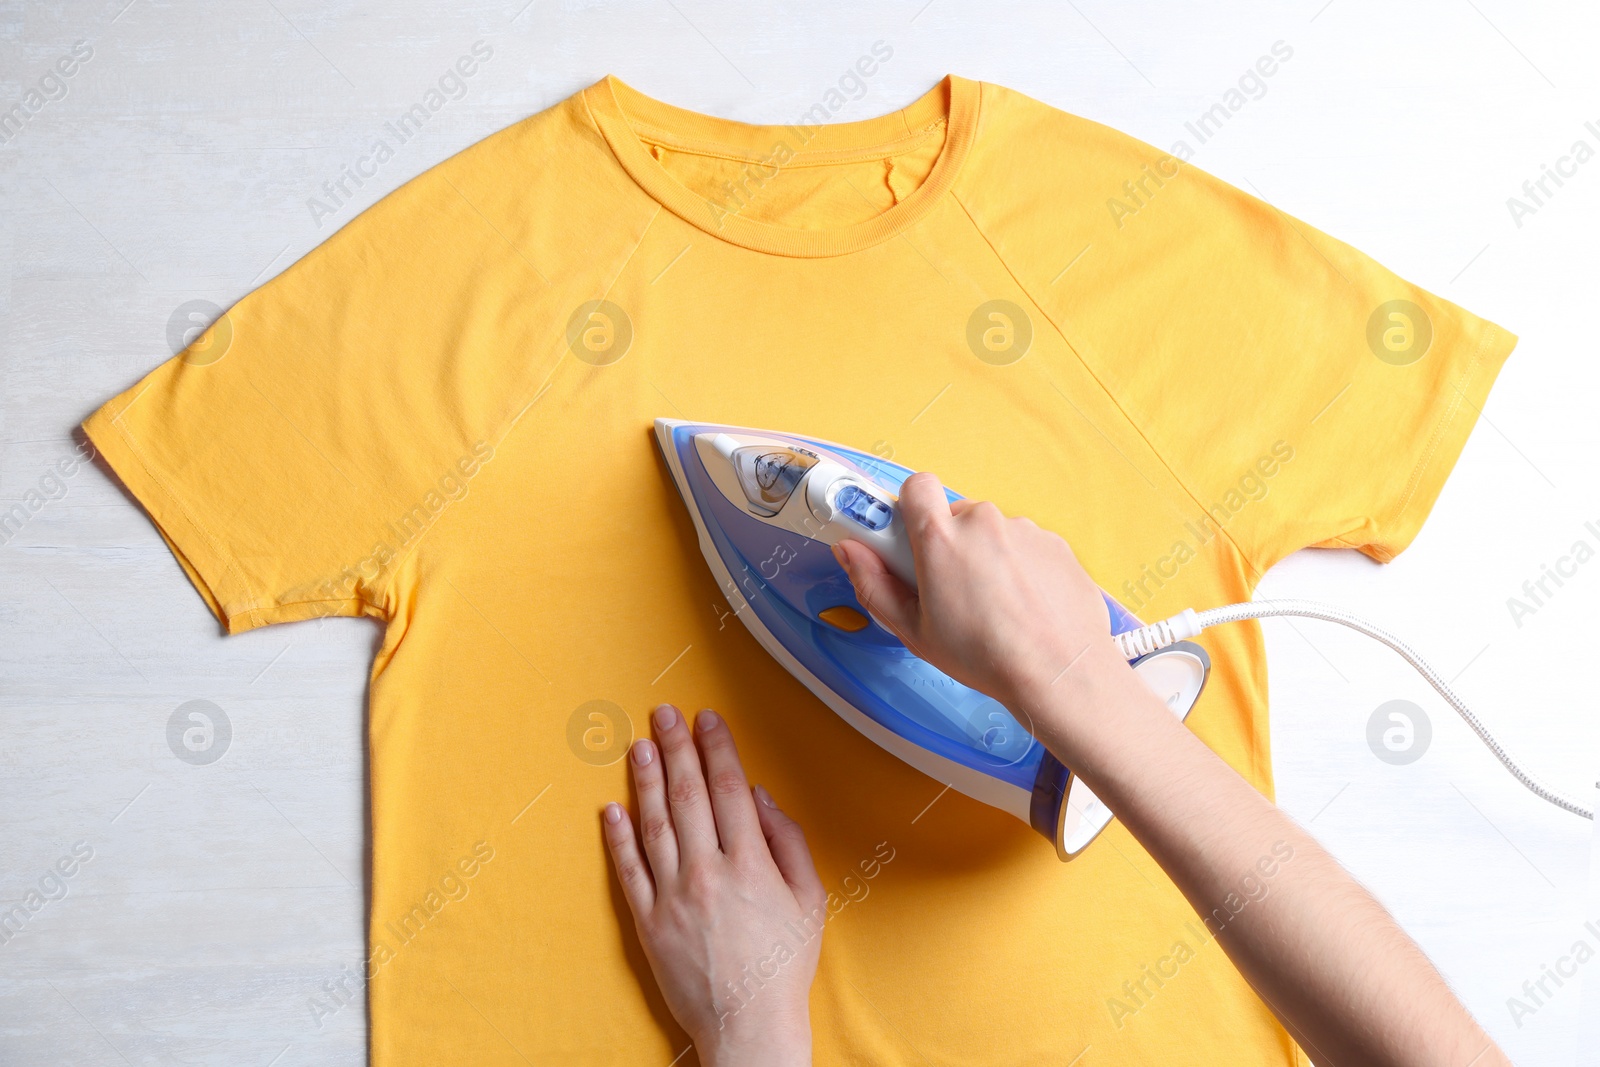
[787, 843]
[886, 597]
[985, 514]
[923, 507]
[655, 820]
[747, 819]
[737, 825]
[686, 787]
[637, 885]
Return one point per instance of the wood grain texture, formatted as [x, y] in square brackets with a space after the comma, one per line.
[176, 164]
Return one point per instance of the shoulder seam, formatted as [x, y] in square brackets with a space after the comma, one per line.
[1256, 572]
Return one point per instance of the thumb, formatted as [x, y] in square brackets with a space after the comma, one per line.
[886, 598]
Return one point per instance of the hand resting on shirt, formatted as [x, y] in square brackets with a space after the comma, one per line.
[1005, 607]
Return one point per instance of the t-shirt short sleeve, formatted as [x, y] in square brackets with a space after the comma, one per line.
[1302, 393]
[307, 440]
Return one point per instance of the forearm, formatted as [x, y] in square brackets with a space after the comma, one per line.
[1319, 950]
[1004, 607]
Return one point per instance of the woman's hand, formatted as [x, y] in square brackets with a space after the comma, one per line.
[1004, 607]
[724, 895]
[1001, 605]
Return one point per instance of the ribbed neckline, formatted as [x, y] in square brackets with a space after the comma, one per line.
[624, 114]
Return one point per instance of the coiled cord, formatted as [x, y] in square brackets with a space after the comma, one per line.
[1189, 623]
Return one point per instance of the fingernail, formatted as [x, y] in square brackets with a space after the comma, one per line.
[838, 554]
[706, 721]
[666, 715]
[764, 796]
[643, 753]
[613, 813]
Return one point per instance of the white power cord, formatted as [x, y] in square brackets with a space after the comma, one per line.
[1189, 623]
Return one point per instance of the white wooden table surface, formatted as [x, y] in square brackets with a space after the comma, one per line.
[175, 165]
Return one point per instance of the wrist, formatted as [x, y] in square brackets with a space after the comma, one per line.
[1071, 680]
[1085, 710]
[774, 1042]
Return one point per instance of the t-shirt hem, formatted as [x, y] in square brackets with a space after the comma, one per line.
[212, 571]
[1461, 410]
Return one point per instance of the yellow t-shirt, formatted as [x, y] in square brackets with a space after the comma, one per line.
[441, 419]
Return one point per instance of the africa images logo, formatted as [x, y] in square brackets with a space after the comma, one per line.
[51, 87]
[450, 86]
[199, 732]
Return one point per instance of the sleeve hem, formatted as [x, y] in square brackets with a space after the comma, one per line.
[1470, 391]
[209, 567]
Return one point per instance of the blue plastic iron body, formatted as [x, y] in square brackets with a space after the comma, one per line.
[780, 582]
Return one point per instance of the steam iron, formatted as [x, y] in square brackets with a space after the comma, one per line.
[768, 507]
